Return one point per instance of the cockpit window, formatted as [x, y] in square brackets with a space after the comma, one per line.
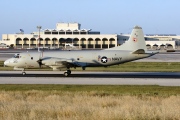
[16, 56]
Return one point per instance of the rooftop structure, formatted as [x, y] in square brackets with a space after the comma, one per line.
[68, 26]
[69, 29]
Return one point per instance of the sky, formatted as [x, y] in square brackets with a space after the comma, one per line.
[106, 16]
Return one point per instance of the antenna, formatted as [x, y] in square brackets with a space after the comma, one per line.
[39, 28]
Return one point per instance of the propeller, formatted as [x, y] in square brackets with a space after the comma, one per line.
[40, 62]
[40, 59]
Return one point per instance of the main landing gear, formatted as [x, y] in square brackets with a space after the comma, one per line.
[67, 73]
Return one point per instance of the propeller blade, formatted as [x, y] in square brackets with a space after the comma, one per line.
[40, 63]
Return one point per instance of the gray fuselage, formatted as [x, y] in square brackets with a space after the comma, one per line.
[89, 58]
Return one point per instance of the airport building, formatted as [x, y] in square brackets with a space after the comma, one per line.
[72, 34]
[156, 41]
[64, 33]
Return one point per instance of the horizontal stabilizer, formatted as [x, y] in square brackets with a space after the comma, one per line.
[140, 51]
[152, 52]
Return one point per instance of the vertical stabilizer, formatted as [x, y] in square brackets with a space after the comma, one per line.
[136, 41]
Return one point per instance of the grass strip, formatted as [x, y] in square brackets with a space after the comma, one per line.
[99, 90]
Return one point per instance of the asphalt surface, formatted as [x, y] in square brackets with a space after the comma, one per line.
[92, 78]
[165, 75]
[95, 78]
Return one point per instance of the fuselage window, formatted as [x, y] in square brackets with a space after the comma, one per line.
[77, 58]
[31, 58]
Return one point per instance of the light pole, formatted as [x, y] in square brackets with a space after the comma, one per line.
[39, 28]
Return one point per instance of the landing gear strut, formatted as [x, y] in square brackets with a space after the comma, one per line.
[23, 72]
[67, 73]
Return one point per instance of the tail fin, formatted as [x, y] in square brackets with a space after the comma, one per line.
[136, 41]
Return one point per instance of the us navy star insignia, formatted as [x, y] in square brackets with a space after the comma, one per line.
[104, 59]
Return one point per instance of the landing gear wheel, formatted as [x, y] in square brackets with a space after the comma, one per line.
[23, 73]
[66, 74]
[69, 72]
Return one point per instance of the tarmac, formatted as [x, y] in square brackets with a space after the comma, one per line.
[95, 78]
[91, 78]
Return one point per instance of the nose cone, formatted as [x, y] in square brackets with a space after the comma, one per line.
[6, 63]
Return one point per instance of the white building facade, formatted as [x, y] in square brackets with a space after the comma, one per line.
[63, 34]
[71, 33]
[156, 41]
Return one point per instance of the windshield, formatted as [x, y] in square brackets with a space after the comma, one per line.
[16, 56]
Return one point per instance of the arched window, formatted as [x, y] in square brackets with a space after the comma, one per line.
[62, 42]
[112, 42]
[83, 32]
[104, 43]
[148, 46]
[54, 42]
[32, 41]
[69, 40]
[97, 43]
[62, 32]
[75, 32]
[25, 40]
[47, 32]
[76, 41]
[83, 44]
[55, 32]
[68, 32]
[18, 41]
[47, 42]
[90, 43]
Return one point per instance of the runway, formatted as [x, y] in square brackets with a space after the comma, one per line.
[91, 78]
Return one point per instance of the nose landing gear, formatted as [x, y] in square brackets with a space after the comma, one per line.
[23, 70]
[67, 73]
[23, 73]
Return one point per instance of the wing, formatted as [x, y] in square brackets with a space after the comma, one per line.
[56, 63]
